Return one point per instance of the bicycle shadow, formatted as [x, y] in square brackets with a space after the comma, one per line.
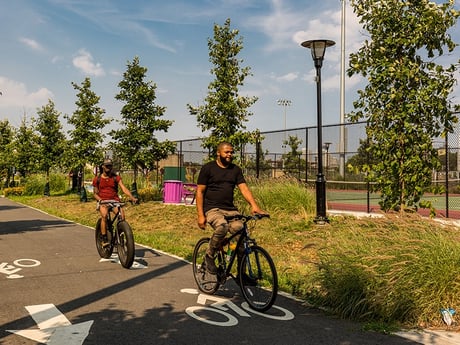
[142, 254]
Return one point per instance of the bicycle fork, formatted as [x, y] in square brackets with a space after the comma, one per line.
[249, 266]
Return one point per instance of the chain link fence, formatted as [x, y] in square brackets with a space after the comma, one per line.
[293, 153]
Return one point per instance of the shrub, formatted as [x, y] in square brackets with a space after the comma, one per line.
[34, 185]
[57, 183]
[13, 191]
[149, 194]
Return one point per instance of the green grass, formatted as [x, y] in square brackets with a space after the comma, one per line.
[395, 270]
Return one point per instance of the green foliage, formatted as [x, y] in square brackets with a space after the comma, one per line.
[293, 162]
[279, 195]
[51, 139]
[58, 183]
[224, 111]
[86, 137]
[34, 185]
[25, 151]
[150, 194]
[362, 158]
[394, 269]
[13, 191]
[135, 142]
[6, 151]
[406, 102]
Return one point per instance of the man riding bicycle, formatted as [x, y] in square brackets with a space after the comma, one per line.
[106, 188]
[214, 199]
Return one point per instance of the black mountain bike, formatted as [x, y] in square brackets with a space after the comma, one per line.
[256, 272]
[119, 234]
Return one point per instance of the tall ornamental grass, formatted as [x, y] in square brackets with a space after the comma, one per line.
[394, 269]
[281, 196]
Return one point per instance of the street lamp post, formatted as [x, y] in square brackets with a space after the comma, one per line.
[318, 48]
[285, 103]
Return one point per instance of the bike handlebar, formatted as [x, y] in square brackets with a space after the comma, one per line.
[246, 218]
[113, 203]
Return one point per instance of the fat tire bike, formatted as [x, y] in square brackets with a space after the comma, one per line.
[119, 235]
[256, 272]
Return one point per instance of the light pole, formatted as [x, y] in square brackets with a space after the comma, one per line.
[318, 48]
[285, 103]
[342, 142]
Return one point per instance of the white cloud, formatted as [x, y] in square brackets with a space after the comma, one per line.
[331, 29]
[278, 26]
[15, 94]
[34, 45]
[84, 62]
[288, 77]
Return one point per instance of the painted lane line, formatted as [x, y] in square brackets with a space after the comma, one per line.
[47, 316]
[53, 327]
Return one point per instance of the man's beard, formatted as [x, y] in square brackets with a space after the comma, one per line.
[225, 162]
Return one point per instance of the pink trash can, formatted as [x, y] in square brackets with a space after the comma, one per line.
[172, 192]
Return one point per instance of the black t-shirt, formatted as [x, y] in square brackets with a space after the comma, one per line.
[220, 184]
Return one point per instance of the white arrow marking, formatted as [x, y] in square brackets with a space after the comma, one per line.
[114, 258]
[54, 327]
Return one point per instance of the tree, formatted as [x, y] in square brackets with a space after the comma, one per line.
[85, 144]
[51, 139]
[292, 159]
[135, 142]
[224, 111]
[357, 163]
[406, 101]
[25, 151]
[6, 151]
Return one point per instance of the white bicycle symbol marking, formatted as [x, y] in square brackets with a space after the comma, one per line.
[222, 306]
[11, 270]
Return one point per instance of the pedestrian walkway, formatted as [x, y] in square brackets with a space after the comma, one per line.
[429, 337]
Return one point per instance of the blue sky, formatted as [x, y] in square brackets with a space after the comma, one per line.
[48, 44]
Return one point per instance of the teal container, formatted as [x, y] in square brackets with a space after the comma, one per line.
[174, 173]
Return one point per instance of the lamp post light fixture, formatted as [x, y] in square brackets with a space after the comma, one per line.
[285, 103]
[326, 147]
[318, 48]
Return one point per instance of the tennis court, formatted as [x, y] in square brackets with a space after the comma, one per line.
[361, 201]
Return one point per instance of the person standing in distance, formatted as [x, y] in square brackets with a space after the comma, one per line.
[106, 188]
[214, 199]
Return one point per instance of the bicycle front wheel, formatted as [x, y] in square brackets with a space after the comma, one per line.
[258, 279]
[104, 252]
[206, 282]
[125, 246]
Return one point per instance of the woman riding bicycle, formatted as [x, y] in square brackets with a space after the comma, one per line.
[214, 199]
[106, 188]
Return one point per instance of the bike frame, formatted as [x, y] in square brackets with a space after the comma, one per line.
[113, 218]
[243, 239]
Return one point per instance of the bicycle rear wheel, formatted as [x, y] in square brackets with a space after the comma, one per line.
[104, 252]
[258, 279]
[125, 245]
[206, 282]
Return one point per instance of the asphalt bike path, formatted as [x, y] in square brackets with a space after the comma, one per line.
[55, 289]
